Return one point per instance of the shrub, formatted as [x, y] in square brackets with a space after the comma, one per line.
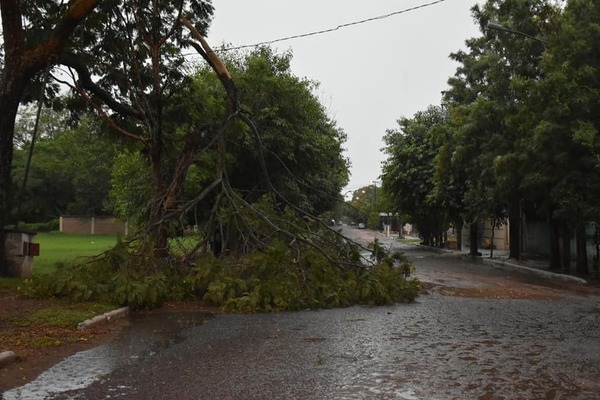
[271, 279]
[48, 226]
[123, 275]
[274, 280]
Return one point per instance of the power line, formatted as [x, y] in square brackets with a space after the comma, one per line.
[303, 35]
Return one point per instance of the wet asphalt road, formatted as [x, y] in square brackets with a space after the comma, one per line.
[441, 347]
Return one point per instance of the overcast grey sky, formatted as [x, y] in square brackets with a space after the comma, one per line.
[371, 74]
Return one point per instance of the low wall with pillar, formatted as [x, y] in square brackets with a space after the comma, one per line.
[20, 250]
[84, 225]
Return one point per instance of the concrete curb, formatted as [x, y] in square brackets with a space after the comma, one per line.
[506, 263]
[7, 357]
[541, 272]
[104, 318]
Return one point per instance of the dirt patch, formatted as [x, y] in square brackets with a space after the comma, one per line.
[501, 293]
[515, 291]
[40, 346]
[477, 286]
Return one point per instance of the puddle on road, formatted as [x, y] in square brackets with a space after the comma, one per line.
[450, 348]
[147, 335]
[438, 348]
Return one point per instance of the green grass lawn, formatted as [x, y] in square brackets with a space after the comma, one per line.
[410, 240]
[58, 247]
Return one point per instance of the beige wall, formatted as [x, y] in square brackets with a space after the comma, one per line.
[93, 225]
[485, 236]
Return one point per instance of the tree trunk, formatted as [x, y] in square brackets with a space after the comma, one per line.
[157, 225]
[514, 233]
[459, 228]
[566, 249]
[166, 197]
[596, 266]
[554, 245]
[9, 104]
[21, 62]
[445, 238]
[492, 243]
[582, 261]
[473, 235]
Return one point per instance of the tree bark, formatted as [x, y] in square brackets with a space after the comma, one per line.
[596, 266]
[566, 248]
[473, 234]
[555, 260]
[165, 197]
[9, 103]
[157, 226]
[492, 243]
[11, 92]
[514, 233]
[459, 228]
[582, 261]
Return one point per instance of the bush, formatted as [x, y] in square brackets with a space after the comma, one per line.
[271, 279]
[274, 281]
[48, 226]
[123, 275]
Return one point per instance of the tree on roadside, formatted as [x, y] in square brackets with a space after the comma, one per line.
[33, 36]
[128, 66]
[302, 145]
[449, 176]
[409, 172]
[565, 148]
[299, 146]
[137, 88]
[486, 94]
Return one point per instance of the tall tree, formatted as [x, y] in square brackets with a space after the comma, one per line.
[137, 86]
[301, 144]
[33, 36]
[364, 205]
[491, 84]
[409, 172]
[449, 178]
[566, 144]
[295, 145]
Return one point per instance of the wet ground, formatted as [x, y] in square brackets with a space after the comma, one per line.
[462, 346]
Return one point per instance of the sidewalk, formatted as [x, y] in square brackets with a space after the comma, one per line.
[535, 264]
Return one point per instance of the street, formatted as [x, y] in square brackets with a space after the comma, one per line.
[482, 332]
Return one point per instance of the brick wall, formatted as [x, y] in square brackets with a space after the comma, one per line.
[109, 226]
[80, 225]
[93, 225]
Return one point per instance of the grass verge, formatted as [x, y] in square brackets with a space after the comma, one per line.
[28, 325]
[409, 240]
[57, 248]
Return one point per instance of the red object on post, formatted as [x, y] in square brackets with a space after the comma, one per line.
[31, 249]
